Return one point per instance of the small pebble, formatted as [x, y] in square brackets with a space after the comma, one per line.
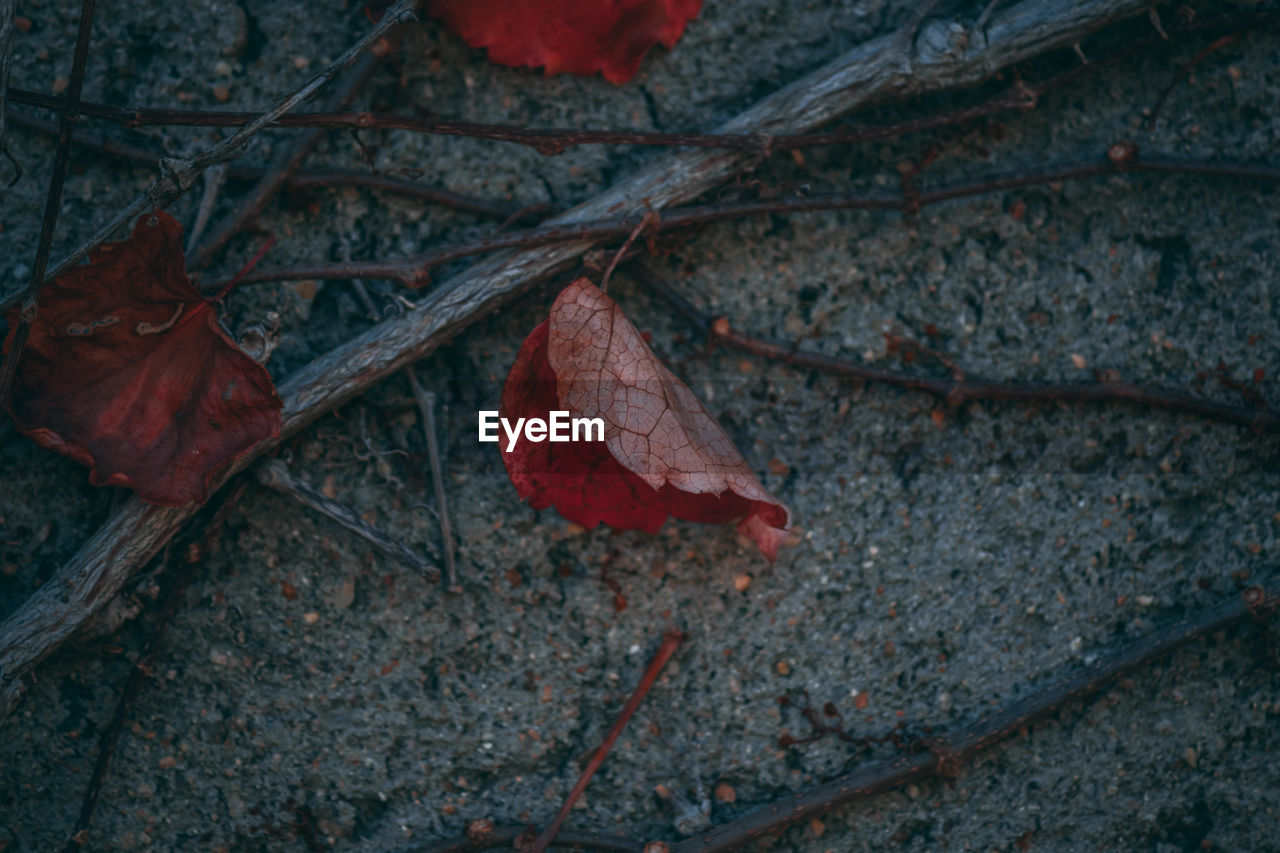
[60, 85]
[783, 668]
[221, 92]
[741, 582]
[725, 793]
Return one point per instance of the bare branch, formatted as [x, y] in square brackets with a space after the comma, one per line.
[877, 70]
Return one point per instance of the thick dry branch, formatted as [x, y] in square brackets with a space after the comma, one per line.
[880, 69]
[415, 271]
[1109, 387]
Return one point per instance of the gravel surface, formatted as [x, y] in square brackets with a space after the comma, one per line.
[311, 693]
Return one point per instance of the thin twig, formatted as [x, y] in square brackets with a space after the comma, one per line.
[426, 413]
[8, 9]
[275, 475]
[490, 837]
[875, 70]
[548, 141]
[1186, 69]
[943, 756]
[279, 169]
[415, 271]
[189, 562]
[302, 179]
[958, 390]
[214, 178]
[177, 175]
[426, 410]
[52, 204]
[946, 755]
[553, 141]
[671, 641]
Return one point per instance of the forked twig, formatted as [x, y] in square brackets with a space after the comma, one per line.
[875, 70]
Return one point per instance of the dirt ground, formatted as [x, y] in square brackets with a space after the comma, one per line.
[312, 692]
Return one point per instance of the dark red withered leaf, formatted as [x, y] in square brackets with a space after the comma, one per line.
[663, 453]
[127, 371]
[577, 36]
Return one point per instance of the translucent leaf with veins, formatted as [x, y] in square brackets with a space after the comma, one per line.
[663, 454]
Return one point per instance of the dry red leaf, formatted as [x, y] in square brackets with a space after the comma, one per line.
[577, 36]
[663, 453]
[127, 371]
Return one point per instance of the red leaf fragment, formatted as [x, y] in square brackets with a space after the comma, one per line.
[577, 36]
[663, 453]
[127, 371]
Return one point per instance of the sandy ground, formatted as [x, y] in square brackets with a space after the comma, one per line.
[946, 560]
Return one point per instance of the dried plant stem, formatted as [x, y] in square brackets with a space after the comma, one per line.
[189, 563]
[279, 169]
[52, 204]
[943, 756]
[8, 8]
[876, 70]
[670, 642]
[960, 389]
[177, 176]
[275, 475]
[949, 753]
[301, 179]
[214, 178]
[426, 403]
[553, 141]
[489, 837]
[415, 271]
